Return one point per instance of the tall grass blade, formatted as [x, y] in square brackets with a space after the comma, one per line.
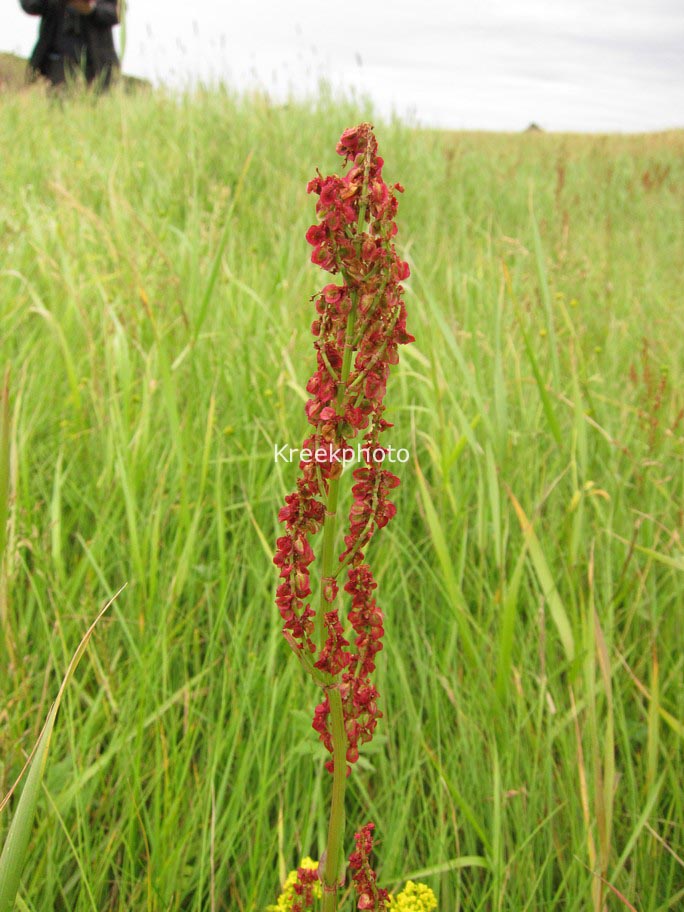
[4, 509]
[453, 589]
[506, 636]
[543, 573]
[638, 827]
[453, 864]
[123, 31]
[218, 256]
[4, 464]
[547, 405]
[653, 738]
[675, 724]
[16, 844]
[437, 315]
[546, 296]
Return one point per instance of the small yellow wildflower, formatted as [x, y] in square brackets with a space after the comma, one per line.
[415, 897]
[287, 897]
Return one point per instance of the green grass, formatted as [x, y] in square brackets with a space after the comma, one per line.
[154, 309]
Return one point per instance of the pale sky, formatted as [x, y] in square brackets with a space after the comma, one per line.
[594, 65]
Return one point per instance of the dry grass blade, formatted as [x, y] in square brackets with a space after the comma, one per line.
[583, 788]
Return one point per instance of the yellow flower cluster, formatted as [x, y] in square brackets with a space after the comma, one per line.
[287, 897]
[415, 897]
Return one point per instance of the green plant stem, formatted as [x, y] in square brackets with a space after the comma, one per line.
[339, 736]
[333, 856]
[327, 554]
[330, 522]
[332, 871]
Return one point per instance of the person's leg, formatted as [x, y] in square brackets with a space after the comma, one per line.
[103, 80]
[55, 70]
[75, 73]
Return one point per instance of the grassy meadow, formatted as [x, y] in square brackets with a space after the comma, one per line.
[154, 314]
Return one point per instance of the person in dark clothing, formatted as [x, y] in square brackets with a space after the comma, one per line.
[75, 35]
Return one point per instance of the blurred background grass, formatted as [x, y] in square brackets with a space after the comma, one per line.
[154, 310]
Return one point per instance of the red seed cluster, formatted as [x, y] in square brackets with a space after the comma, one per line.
[304, 889]
[370, 896]
[358, 327]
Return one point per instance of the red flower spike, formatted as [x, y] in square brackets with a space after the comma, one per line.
[358, 327]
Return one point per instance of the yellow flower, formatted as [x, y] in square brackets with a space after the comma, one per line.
[415, 897]
[286, 898]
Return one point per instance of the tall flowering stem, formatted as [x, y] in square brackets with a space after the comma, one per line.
[360, 322]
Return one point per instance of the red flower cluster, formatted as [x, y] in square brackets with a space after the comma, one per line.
[370, 895]
[358, 327]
